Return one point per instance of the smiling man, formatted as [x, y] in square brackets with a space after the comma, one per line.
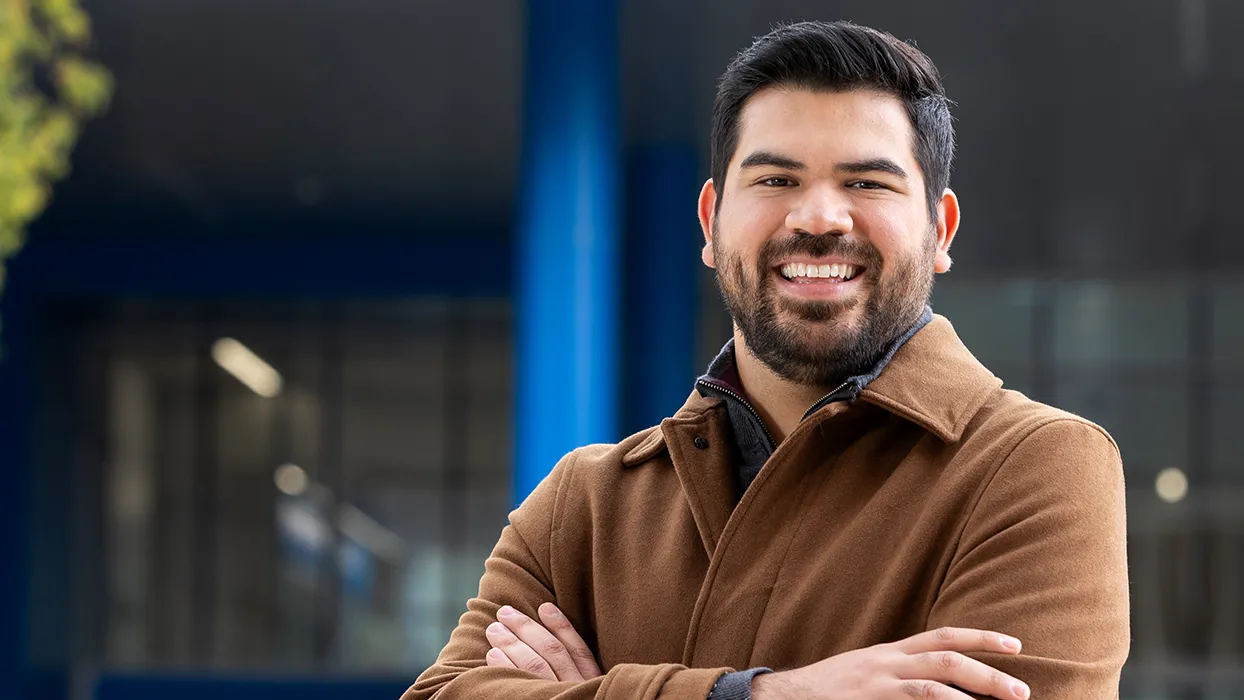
[849, 506]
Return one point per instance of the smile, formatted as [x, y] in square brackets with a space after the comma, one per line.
[838, 271]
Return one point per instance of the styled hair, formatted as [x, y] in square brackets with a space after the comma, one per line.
[838, 57]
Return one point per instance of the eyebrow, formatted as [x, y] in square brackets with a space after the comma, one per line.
[871, 165]
[769, 159]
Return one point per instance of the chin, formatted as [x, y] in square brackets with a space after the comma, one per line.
[825, 339]
[821, 320]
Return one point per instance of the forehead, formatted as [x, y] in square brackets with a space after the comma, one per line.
[821, 128]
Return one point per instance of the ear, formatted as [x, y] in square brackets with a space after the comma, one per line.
[708, 213]
[947, 226]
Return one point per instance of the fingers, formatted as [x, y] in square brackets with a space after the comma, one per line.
[549, 650]
[497, 658]
[560, 626]
[959, 639]
[964, 672]
[520, 655]
[938, 655]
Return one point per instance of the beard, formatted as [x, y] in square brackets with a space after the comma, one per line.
[812, 342]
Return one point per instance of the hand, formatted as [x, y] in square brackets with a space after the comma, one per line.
[923, 666]
[553, 651]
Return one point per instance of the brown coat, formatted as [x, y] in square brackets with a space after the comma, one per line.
[937, 498]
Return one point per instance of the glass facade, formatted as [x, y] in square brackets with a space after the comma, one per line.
[337, 524]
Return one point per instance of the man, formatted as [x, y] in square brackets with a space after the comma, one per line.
[848, 497]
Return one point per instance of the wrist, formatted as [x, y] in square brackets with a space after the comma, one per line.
[768, 686]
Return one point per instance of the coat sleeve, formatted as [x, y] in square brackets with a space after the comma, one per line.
[517, 574]
[1043, 558]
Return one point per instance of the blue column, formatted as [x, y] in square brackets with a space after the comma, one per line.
[662, 271]
[568, 251]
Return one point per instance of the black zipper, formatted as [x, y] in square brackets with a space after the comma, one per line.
[719, 386]
[713, 384]
[824, 400]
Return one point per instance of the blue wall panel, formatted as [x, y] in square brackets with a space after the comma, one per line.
[662, 272]
[17, 403]
[162, 687]
[286, 266]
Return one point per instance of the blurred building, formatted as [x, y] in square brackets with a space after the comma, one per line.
[265, 377]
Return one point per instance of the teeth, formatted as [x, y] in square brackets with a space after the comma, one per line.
[839, 270]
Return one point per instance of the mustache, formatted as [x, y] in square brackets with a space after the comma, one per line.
[819, 246]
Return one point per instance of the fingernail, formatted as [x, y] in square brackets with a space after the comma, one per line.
[1011, 643]
[496, 628]
[505, 611]
[1020, 690]
[550, 610]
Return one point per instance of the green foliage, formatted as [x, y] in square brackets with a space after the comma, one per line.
[48, 90]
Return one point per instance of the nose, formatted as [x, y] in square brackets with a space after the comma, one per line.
[820, 210]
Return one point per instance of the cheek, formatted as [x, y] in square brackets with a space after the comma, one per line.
[763, 218]
[743, 231]
[897, 235]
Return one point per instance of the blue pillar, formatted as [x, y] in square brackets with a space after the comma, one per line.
[568, 251]
[662, 271]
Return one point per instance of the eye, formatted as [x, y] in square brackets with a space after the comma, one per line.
[776, 181]
[866, 185]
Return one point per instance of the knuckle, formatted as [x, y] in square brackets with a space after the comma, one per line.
[945, 635]
[553, 648]
[923, 690]
[949, 660]
[583, 653]
[996, 679]
[536, 666]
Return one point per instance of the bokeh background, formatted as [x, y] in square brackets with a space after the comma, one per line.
[331, 281]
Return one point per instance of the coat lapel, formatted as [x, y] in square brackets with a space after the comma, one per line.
[700, 445]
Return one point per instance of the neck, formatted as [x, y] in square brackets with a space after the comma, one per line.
[780, 402]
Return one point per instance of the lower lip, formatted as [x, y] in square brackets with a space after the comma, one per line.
[820, 287]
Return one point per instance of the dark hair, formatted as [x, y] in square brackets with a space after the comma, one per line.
[839, 56]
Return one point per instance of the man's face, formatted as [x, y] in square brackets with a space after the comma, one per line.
[823, 246]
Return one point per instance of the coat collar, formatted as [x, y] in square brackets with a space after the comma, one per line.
[933, 380]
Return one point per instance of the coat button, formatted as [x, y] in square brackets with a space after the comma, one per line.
[701, 442]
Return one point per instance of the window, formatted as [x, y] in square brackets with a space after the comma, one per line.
[340, 522]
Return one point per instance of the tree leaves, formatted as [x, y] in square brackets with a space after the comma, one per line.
[48, 90]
